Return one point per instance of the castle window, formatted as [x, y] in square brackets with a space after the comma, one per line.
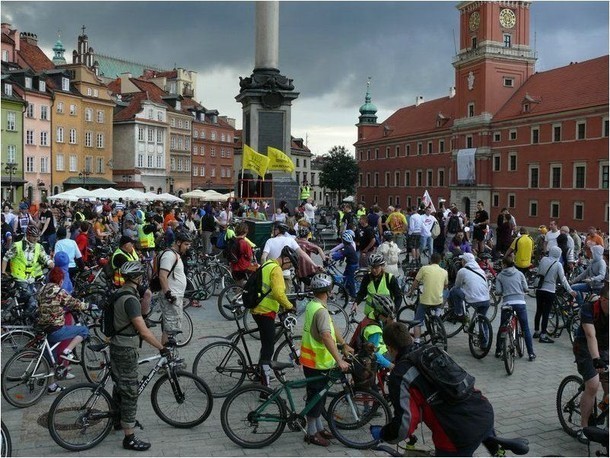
[509, 82]
[507, 40]
[470, 110]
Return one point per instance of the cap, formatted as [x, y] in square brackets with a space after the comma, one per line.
[126, 239]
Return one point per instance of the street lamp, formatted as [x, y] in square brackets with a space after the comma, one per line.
[11, 167]
[170, 182]
[83, 175]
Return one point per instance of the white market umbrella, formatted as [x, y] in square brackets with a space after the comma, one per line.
[134, 195]
[195, 194]
[170, 198]
[64, 196]
[229, 195]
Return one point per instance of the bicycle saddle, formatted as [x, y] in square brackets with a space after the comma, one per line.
[98, 347]
[595, 434]
[518, 446]
[277, 365]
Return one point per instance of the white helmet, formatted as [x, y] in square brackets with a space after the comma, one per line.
[321, 283]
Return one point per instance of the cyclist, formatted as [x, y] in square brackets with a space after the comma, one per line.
[592, 279]
[470, 285]
[591, 352]
[383, 314]
[274, 297]
[173, 283]
[434, 280]
[53, 301]
[306, 270]
[378, 281]
[512, 285]
[27, 258]
[128, 323]
[125, 252]
[245, 261]
[457, 428]
[319, 353]
[390, 252]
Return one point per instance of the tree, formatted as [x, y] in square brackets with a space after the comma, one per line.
[339, 171]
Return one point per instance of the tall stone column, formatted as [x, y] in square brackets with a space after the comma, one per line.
[266, 97]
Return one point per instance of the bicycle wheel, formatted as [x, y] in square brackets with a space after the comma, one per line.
[285, 354]
[13, 341]
[155, 315]
[186, 335]
[568, 403]
[494, 302]
[520, 339]
[452, 326]
[573, 325]
[25, 378]
[93, 362]
[249, 325]
[231, 297]
[340, 318]
[222, 366]
[554, 317]
[339, 295]
[183, 402]
[80, 417]
[222, 278]
[250, 420]
[352, 413]
[508, 351]
[480, 336]
[203, 284]
[7, 444]
[438, 335]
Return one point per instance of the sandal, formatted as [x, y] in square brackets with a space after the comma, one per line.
[326, 434]
[317, 439]
[132, 442]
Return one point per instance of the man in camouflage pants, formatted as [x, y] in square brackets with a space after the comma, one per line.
[124, 344]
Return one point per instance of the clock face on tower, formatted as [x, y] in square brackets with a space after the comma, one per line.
[507, 18]
[474, 21]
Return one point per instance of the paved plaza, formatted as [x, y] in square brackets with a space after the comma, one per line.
[524, 405]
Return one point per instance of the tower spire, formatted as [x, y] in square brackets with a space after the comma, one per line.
[58, 50]
[368, 111]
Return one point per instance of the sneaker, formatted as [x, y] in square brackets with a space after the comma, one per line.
[532, 357]
[536, 335]
[69, 376]
[69, 356]
[132, 442]
[545, 339]
[56, 389]
[580, 436]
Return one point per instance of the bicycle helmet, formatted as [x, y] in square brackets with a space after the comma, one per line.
[32, 231]
[376, 259]
[183, 236]
[289, 253]
[303, 232]
[282, 227]
[382, 305]
[347, 237]
[388, 236]
[321, 283]
[132, 269]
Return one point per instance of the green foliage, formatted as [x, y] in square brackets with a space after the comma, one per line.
[339, 171]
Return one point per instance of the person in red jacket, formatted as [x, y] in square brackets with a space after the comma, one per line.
[244, 255]
[82, 241]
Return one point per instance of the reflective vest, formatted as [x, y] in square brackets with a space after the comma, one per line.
[118, 278]
[268, 304]
[314, 353]
[146, 240]
[20, 268]
[361, 212]
[305, 192]
[372, 329]
[79, 216]
[382, 290]
[341, 214]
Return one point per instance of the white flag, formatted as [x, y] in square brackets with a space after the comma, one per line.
[427, 200]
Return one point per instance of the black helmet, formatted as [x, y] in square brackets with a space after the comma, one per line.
[183, 236]
[382, 305]
[289, 253]
[282, 227]
[388, 236]
[132, 269]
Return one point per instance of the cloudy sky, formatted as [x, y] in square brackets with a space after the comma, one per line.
[328, 48]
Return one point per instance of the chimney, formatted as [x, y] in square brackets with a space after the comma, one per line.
[125, 81]
[30, 38]
[419, 100]
[452, 92]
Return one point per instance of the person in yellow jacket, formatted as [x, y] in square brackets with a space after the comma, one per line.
[273, 297]
[26, 259]
[319, 353]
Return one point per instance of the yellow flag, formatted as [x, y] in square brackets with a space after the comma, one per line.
[255, 161]
[278, 160]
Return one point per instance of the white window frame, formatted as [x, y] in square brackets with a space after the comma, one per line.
[99, 140]
[59, 135]
[29, 137]
[11, 121]
[470, 110]
[44, 138]
[533, 130]
[495, 200]
[89, 139]
[44, 164]
[29, 111]
[509, 165]
[59, 162]
[99, 164]
[60, 107]
[8, 89]
[512, 135]
[73, 110]
[529, 176]
[29, 164]
[508, 198]
[574, 167]
[601, 174]
[579, 204]
[89, 115]
[44, 112]
[493, 162]
[553, 203]
[497, 137]
[553, 127]
[529, 208]
[72, 136]
[551, 168]
[578, 124]
[65, 84]
[11, 153]
[100, 116]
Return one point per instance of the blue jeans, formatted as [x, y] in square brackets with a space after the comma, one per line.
[581, 288]
[68, 333]
[349, 279]
[456, 301]
[522, 316]
[426, 243]
[50, 241]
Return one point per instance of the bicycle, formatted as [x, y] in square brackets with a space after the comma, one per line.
[155, 315]
[26, 375]
[564, 315]
[477, 326]
[339, 292]
[255, 416]
[83, 415]
[226, 367]
[13, 339]
[512, 339]
[434, 328]
[569, 393]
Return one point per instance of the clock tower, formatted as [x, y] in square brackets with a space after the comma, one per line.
[495, 56]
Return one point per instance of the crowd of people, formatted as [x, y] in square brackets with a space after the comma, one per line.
[66, 238]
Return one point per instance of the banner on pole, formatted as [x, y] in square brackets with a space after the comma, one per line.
[427, 200]
[254, 161]
[278, 160]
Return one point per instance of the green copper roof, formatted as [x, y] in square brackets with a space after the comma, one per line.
[58, 57]
[112, 67]
[368, 108]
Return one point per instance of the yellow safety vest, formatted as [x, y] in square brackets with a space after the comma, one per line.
[372, 329]
[305, 192]
[361, 212]
[118, 278]
[146, 240]
[20, 268]
[268, 304]
[79, 216]
[382, 290]
[314, 353]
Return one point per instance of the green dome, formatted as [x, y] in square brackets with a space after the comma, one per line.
[368, 108]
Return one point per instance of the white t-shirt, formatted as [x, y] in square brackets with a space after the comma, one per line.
[177, 279]
[415, 223]
[69, 247]
[427, 223]
[310, 212]
[551, 239]
[274, 245]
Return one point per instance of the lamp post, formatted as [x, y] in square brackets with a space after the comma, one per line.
[83, 175]
[170, 182]
[11, 168]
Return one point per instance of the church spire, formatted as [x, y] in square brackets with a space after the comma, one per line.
[368, 111]
[58, 49]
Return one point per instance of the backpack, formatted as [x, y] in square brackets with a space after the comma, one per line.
[453, 225]
[232, 251]
[436, 230]
[356, 340]
[154, 284]
[365, 363]
[252, 294]
[107, 319]
[452, 384]
[221, 240]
